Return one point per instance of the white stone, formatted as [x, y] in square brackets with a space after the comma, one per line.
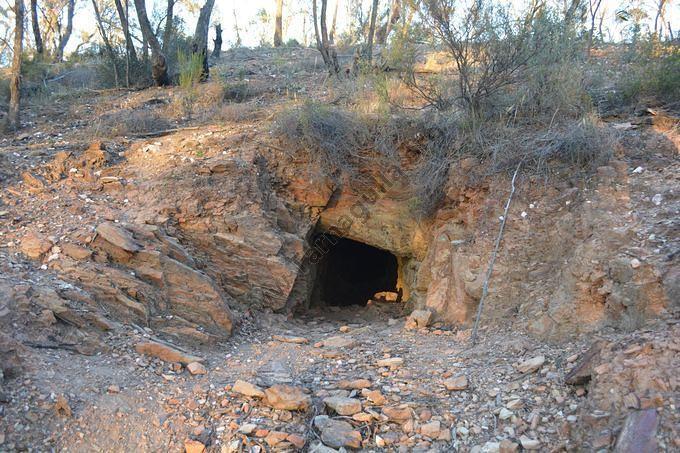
[529, 444]
[504, 414]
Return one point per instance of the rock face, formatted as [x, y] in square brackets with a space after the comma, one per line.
[161, 279]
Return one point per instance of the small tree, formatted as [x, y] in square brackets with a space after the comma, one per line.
[322, 41]
[66, 35]
[107, 43]
[489, 48]
[35, 23]
[371, 32]
[14, 116]
[199, 44]
[159, 66]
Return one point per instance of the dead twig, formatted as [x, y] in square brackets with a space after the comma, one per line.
[163, 132]
[485, 288]
[66, 346]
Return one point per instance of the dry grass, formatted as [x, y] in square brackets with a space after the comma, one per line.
[332, 136]
[130, 122]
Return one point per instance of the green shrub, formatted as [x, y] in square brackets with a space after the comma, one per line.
[190, 73]
[4, 89]
[236, 92]
[655, 74]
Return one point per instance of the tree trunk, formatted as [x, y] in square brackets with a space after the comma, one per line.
[217, 48]
[169, 25]
[107, 43]
[331, 37]
[70, 10]
[39, 48]
[371, 32]
[236, 29]
[278, 24]
[200, 41]
[159, 66]
[593, 7]
[659, 14]
[124, 23]
[570, 11]
[13, 116]
[599, 26]
[329, 56]
[395, 15]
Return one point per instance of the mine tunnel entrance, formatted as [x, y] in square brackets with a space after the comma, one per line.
[350, 273]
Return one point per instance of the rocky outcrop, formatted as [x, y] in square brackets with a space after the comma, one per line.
[143, 275]
[244, 225]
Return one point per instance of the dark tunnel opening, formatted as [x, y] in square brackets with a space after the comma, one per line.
[351, 272]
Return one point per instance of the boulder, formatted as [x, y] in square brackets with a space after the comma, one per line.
[75, 251]
[391, 362]
[11, 352]
[355, 384]
[431, 429]
[418, 319]
[118, 237]
[529, 443]
[287, 397]
[639, 433]
[193, 446]
[247, 389]
[196, 368]
[456, 383]
[338, 433]
[531, 365]
[397, 414]
[35, 245]
[375, 397]
[166, 353]
[343, 405]
[339, 342]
